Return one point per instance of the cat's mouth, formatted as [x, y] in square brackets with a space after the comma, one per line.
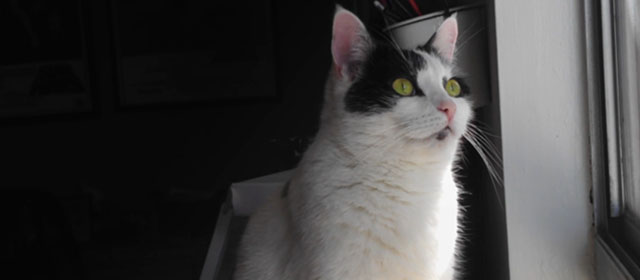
[442, 134]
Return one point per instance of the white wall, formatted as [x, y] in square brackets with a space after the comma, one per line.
[545, 138]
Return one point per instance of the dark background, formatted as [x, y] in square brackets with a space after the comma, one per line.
[122, 191]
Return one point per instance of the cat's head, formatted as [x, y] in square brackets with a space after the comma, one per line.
[412, 98]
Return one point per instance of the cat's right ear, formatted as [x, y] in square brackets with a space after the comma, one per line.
[350, 43]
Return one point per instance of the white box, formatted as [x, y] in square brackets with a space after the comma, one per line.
[244, 198]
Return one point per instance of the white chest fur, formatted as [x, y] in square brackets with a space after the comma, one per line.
[378, 220]
[343, 220]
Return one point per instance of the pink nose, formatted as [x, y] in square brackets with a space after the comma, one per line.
[448, 108]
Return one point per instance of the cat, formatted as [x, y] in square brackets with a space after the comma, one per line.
[374, 196]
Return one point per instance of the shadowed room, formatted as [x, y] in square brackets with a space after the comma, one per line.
[139, 137]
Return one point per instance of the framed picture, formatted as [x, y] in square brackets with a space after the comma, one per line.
[43, 66]
[193, 51]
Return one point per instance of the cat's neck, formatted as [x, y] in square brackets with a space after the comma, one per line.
[333, 155]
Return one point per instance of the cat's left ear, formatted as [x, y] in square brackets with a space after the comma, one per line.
[350, 43]
[444, 41]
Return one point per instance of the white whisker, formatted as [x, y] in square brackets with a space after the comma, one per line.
[488, 152]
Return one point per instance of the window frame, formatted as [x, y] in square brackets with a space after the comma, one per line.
[612, 261]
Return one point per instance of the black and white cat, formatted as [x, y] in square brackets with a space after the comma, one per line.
[374, 197]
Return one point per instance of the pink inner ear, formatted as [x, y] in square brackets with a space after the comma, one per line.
[345, 35]
[445, 41]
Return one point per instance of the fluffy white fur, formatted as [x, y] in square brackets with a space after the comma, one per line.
[374, 197]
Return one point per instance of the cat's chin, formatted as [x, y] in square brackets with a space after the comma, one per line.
[443, 134]
[439, 147]
[438, 138]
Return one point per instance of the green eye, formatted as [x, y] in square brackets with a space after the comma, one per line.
[453, 88]
[402, 86]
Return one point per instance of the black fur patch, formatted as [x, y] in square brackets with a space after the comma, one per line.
[428, 46]
[372, 92]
